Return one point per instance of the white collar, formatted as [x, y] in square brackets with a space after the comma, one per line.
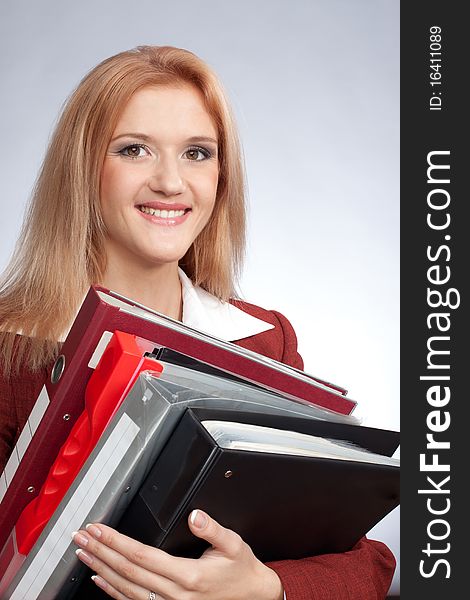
[208, 314]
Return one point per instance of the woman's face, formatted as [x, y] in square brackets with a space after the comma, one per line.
[159, 178]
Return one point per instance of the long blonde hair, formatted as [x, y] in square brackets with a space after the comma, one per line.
[60, 253]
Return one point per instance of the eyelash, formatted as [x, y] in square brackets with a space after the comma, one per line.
[122, 151]
[204, 151]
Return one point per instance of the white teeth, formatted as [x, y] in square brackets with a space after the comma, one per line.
[163, 214]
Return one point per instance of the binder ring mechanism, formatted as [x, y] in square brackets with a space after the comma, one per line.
[58, 369]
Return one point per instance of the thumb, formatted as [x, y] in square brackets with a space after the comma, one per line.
[205, 527]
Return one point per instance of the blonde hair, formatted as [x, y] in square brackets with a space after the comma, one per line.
[60, 253]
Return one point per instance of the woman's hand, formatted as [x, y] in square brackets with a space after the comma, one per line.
[128, 569]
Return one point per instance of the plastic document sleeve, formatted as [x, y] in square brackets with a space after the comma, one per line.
[158, 430]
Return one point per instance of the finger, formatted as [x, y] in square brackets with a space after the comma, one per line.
[106, 587]
[225, 540]
[114, 593]
[136, 552]
[148, 557]
[110, 581]
[168, 579]
[124, 575]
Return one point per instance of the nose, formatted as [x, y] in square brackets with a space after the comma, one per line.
[166, 177]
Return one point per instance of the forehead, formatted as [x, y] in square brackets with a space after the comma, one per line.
[177, 109]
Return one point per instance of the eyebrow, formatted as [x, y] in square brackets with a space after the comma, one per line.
[147, 138]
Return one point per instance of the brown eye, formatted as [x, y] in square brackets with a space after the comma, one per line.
[133, 151]
[197, 154]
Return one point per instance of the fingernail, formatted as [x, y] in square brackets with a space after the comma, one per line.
[84, 557]
[79, 539]
[100, 582]
[93, 530]
[198, 519]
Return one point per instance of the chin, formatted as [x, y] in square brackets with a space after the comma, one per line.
[165, 259]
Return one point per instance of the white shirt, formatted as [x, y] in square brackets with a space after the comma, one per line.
[208, 314]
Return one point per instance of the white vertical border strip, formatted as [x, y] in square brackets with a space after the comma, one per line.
[3, 485]
[24, 440]
[11, 466]
[76, 510]
[100, 348]
[39, 409]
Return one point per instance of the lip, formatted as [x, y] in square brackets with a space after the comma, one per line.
[164, 221]
[164, 205]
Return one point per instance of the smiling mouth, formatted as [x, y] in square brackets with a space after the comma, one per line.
[163, 213]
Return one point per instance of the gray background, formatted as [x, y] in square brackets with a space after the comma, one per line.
[315, 88]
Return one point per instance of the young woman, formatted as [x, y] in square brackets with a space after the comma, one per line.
[142, 191]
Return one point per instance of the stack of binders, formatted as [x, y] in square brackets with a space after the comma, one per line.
[149, 440]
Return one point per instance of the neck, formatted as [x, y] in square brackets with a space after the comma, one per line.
[158, 287]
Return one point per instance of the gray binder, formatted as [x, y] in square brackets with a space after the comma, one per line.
[125, 453]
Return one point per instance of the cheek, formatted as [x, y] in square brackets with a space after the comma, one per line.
[208, 187]
[107, 185]
[210, 198]
[117, 186]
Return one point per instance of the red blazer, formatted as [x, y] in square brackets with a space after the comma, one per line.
[363, 573]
